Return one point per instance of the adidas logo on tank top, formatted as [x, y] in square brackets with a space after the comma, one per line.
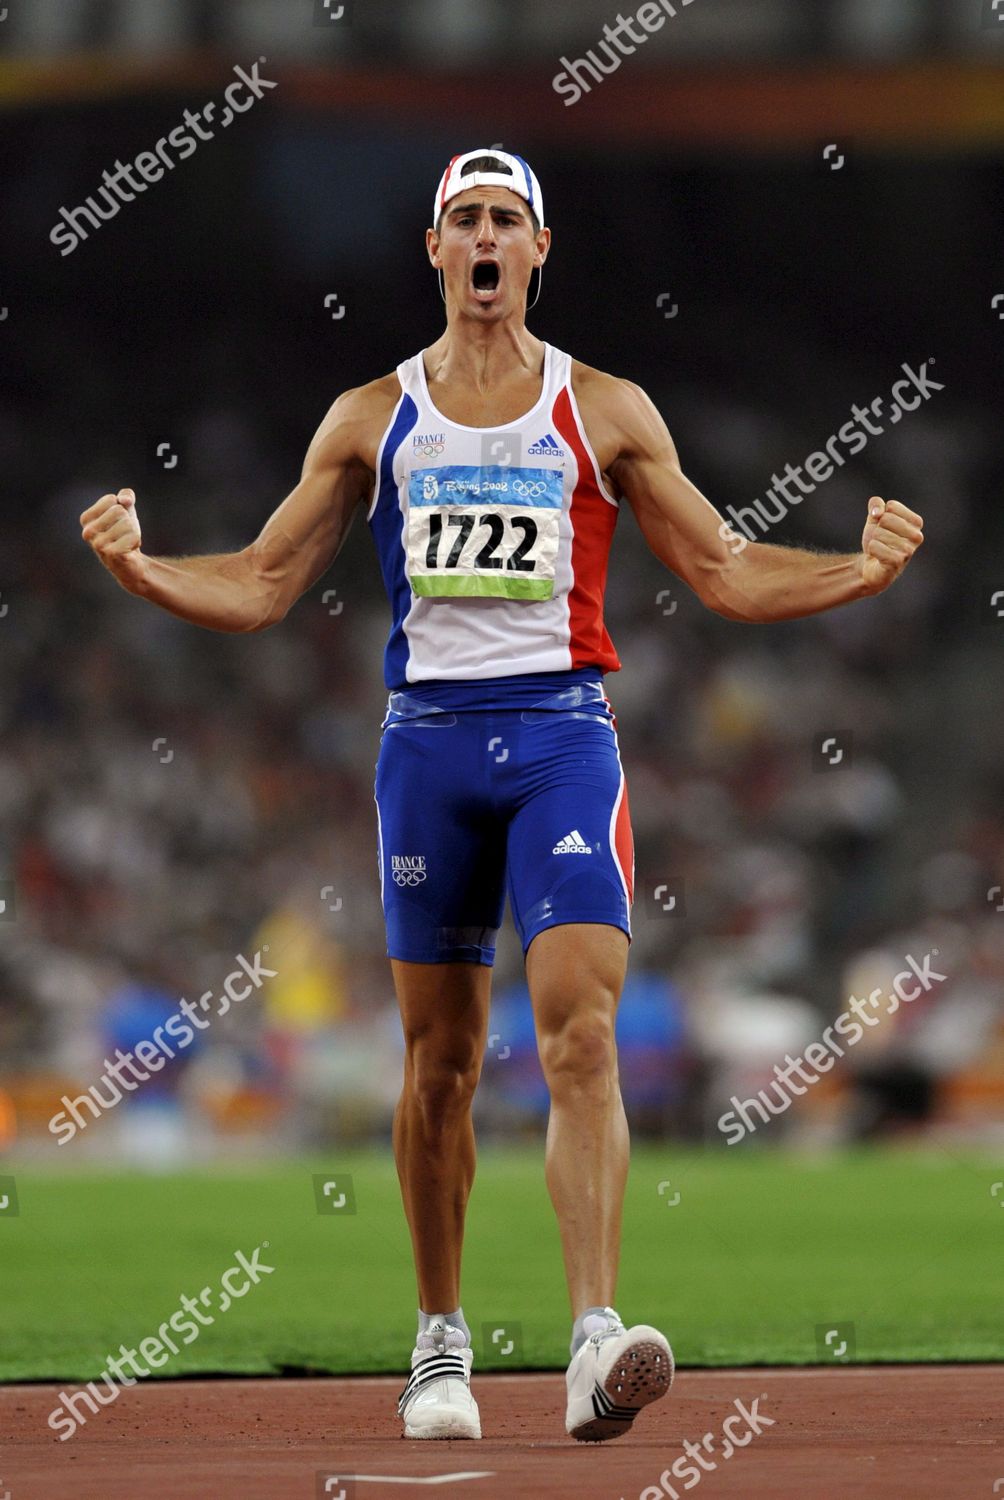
[493, 542]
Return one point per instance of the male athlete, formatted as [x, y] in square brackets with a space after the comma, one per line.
[492, 468]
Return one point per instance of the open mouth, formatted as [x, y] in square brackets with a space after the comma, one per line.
[485, 279]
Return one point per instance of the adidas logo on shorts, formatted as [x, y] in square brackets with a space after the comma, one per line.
[572, 843]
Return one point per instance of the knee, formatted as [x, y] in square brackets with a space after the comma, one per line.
[580, 1055]
[442, 1084]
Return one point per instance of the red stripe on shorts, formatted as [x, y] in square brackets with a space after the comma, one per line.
[624, 840]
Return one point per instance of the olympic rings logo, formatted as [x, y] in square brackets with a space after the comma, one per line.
[409, 877]
[529, 489]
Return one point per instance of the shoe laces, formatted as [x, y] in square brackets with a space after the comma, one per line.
[613, 1327]
[441, 1337]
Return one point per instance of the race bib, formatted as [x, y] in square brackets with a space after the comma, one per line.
[486, 530]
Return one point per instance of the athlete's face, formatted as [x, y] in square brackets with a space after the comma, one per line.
[487, 249]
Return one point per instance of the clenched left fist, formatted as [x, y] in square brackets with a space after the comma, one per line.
[891, 536]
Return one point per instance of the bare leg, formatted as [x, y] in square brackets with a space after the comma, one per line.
[444, 1012]
[576, 974]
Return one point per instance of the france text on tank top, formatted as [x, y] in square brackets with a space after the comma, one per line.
[493, 541]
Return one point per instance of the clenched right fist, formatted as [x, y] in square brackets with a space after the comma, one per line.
[111, 527]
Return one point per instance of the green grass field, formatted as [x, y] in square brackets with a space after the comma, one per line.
[759, 1252]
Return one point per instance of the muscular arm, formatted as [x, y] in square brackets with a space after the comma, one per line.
[254, 588]
[742, 580]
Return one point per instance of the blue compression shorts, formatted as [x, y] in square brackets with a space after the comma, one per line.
[472, 802]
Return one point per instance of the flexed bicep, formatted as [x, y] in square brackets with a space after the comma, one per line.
[680, 525]
[304, 535]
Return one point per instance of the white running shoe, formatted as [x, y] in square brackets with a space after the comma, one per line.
[613, 1375]
[437, 1401]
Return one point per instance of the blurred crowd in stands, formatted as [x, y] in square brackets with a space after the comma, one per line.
[171, 798]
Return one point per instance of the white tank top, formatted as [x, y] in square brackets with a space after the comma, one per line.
[493, 541]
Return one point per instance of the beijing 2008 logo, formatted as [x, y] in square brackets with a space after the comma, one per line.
[408, 869]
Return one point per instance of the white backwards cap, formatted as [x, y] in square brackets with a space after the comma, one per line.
[513, 174]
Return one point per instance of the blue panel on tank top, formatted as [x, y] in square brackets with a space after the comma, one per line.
[386, 524]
